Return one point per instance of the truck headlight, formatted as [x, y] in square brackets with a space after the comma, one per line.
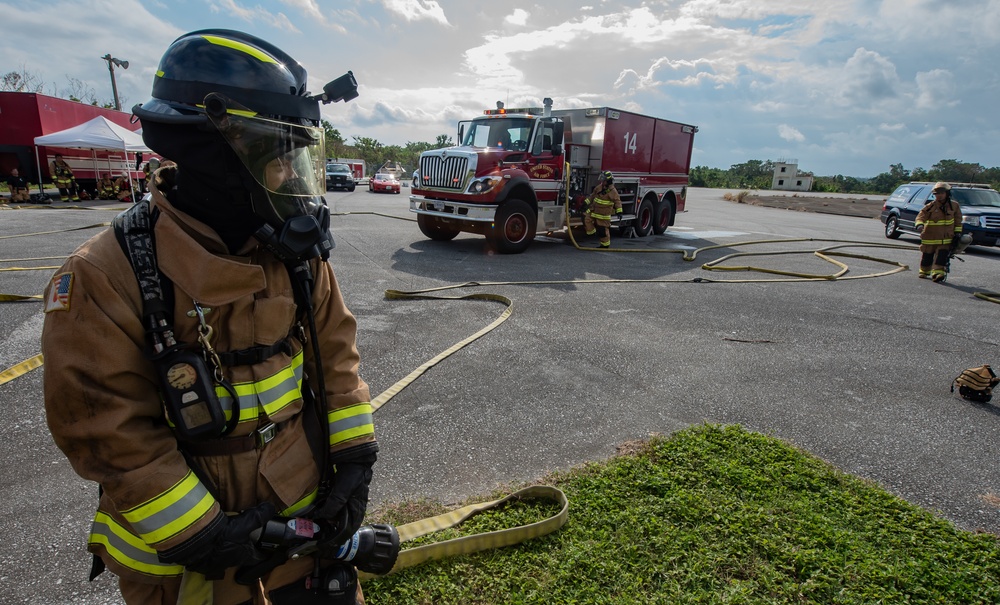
[971, 219]
[482, 185]
[416, 179]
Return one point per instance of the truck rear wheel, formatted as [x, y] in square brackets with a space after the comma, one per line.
[664, 211]
[514, 227]
[644, 218]
[436, 229]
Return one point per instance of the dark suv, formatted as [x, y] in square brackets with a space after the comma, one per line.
[339, 176]
[980, 210]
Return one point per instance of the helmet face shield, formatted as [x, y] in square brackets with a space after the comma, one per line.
[286, 160]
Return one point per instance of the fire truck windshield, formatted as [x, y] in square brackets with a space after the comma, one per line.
[501, 133]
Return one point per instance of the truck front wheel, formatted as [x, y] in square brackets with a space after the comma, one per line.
[514, 227]
[643, 218]
[436, 229]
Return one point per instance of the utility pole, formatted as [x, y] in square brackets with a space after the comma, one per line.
[111, 68]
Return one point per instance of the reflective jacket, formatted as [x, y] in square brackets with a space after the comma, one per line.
[940, 226]
[604, 203]
[106, 190]
[62, 174]
[102, 394]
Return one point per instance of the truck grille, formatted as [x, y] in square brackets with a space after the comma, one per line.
[443, 173]
[991, 222]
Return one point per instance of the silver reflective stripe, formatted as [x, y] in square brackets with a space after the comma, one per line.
[350, 423]
[127, 549]
[171, 512]
[272, 393]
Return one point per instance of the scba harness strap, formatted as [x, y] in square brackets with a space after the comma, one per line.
[976, 384]
[192, 403]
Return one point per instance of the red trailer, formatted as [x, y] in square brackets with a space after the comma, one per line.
[24, 116]
[508, 178]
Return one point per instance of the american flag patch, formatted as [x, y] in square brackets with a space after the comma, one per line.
[59, 290]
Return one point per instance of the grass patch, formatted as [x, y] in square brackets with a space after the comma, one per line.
[713, 514]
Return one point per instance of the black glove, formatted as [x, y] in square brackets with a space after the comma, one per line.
[347, 502]
[224, 543]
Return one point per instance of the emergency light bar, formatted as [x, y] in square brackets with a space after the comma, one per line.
[534, 111]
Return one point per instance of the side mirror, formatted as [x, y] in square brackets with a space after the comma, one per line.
[557, 149]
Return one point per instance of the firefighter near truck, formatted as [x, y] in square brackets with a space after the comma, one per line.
[518, 172]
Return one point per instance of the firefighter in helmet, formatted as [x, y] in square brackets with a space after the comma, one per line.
[601, 203]
[940, 227]
[62, 176]
[240, 237]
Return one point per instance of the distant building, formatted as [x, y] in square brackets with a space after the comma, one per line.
[788, 178]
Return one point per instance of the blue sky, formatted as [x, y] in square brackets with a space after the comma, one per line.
[843, 86]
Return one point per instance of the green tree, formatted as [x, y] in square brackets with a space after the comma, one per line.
[703, 176]
[369, 150]
[956, 171]
[886, 182]
[333, 141]
[752, 174]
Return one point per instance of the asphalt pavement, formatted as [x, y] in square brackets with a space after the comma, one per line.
[854, 371]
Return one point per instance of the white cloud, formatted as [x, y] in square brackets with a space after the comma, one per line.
[790, 134]
[868, 78]
[518, 17]
[936, 89]
[415, 10]
[897, 127]
[257, 14]
[312, 11]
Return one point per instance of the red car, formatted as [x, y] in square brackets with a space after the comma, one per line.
[383, 182]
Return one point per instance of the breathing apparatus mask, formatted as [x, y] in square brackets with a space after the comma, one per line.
[287, 162]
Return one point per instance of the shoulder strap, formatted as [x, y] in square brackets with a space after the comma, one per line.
[134, 232]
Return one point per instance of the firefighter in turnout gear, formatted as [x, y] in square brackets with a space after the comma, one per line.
[106, 189]
[233, 314]
[601, 203]
[940, 227]
[62, 176]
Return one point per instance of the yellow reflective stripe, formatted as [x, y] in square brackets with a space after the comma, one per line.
[247, 395]
[127, 548]
[274, 390]
[299, 506]
[950, 221]
[171, 512]
[935, 242]
[272, 393]
[350, 423]
[246, 48]
[159, 73]
[604, 216]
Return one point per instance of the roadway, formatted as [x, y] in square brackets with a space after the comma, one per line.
[856, 372]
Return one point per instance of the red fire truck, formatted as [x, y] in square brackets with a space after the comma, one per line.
[508, 178]
[24, 116]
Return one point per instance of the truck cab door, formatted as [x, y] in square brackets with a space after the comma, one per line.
[548, 138]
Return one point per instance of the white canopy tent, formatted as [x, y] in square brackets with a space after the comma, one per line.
[98, 133]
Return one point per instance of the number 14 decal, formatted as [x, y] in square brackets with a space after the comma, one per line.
[630, 142]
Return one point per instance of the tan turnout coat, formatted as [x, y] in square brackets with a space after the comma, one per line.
[103, 406]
